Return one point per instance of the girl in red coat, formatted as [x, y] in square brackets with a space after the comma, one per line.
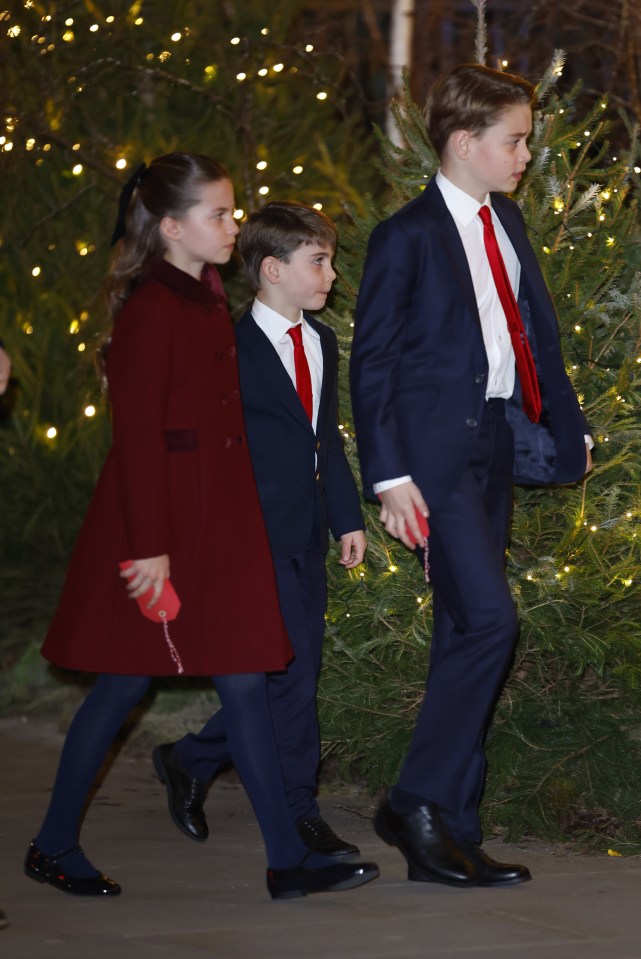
[176, 496]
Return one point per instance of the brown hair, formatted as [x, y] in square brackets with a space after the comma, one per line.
[471, 97]
[278, 229]
[169, 186]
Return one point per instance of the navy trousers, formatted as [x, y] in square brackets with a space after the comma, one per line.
[474, 635]
[302, 590]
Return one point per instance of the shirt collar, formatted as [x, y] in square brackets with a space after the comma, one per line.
[275, 324]
[461, 205]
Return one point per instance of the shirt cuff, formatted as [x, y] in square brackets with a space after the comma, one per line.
[388, 484]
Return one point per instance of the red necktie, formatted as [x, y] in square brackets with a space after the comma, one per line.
[522, 353]
[301, 367]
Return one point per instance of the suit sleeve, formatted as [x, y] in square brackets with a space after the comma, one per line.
[383, 306]
[139, 376]
[343, 502]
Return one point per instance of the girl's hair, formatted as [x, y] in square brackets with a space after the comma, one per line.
[169, 186]
[471, 97]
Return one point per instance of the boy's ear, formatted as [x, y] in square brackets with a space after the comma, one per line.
[270, 269]
[460, 143]
[169, 228]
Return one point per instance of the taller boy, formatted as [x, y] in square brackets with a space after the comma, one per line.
[305, 487]
[444, 424]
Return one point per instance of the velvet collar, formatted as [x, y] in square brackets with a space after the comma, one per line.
[207, 291]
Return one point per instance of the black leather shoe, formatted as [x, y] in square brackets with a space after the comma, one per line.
[488, 872]
[431, 853]
[47, 869]
[303, 880]
[185, 795]
[319, 837]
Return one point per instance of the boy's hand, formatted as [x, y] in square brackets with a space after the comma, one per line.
[144, 574]
[398, 512]
[353, 546]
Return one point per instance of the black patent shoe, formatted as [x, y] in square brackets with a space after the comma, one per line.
[303, 880]
[489, 872]
[422, 837]
[319, 837]
[185, 795]
[46, 869]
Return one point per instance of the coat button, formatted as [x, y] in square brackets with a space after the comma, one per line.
[235, 394]
[227, 442]
[479, 378]
[317, 477]
[223, 401]
[317, 444]
[471, 423]
[240, 438]
[232, 351]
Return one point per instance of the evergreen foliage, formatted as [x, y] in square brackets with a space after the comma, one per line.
[564, 758]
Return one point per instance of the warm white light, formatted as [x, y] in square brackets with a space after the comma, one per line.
[239, 214]
[262, 72]
[93, 28]
[297, 169]
[263, 190]
[309, 48]
[90, 410]
[278, 67]
[176, 37]
[318, 206]
[321, 96]
[261, 165]
[121, 163]
[51, 433]
[77, 170]
[241, 76]
[82, 347]
[36, 271]
[235, 40]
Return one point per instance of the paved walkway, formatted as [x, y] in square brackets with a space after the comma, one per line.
[183, 900]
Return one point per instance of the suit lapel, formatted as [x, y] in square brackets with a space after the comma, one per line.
[450, 239]
[268, 368]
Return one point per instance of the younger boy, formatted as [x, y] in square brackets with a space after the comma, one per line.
[457, 392]
[305, 487]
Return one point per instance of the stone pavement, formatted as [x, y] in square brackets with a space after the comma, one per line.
[183, 900]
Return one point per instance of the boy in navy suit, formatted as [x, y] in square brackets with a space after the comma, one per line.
[305, 488]
[459, 390]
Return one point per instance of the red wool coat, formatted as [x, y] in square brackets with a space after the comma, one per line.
[178, 479]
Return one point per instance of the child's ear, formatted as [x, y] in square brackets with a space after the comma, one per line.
[169, 228]
[460, 143]
[270, 268]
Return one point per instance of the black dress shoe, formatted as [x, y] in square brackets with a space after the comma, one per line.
[47, 869]
[319, 837]
[303, 880]
[488, 872]
[185, 795]
[431, 853]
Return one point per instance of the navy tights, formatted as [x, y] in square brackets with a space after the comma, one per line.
[251, 739]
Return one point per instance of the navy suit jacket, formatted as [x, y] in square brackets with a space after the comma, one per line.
[419, 368]
[303, 476]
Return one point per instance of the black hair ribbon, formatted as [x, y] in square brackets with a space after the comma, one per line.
[125, 198]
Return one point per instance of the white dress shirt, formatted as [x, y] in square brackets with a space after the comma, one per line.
[275, 327]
